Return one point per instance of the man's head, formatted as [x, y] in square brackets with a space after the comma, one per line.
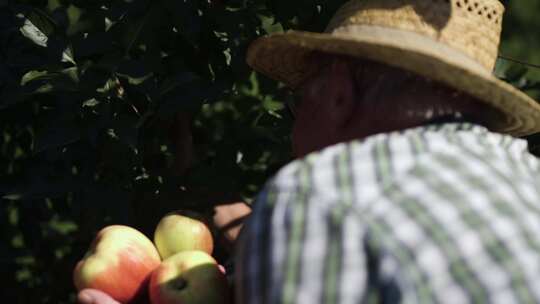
[351, 98]
[453, 42]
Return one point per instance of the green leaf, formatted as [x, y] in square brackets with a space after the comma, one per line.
[13, 196]
[90, 103]
[136, 80]
[33, 75]
[67, 55]
[42, 21]
[270, 25]
[30, 31]
[134, 71]
[515, 72]
[531, 86]
[272, 105]
[45, 82]
[37, 26]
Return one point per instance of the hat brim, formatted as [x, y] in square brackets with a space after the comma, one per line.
[286, 57]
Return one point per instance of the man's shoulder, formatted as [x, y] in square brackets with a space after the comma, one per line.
[393, 153]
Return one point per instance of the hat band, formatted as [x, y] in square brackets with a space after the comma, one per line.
[407, 40]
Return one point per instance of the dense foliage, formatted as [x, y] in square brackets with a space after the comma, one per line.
[120, 111]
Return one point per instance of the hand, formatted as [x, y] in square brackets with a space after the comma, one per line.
[228, 219]
[94, 296]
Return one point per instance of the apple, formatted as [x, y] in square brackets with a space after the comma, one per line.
[189, 277]
[178, 232]
[119, 262]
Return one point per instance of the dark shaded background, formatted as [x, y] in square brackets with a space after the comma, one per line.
[96, 100]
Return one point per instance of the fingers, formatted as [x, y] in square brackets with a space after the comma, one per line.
[222, 269]
[228, 218]
[93, 296]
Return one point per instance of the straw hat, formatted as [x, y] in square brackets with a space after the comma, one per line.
[452, 41]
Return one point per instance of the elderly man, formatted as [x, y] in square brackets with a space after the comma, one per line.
[409, 184]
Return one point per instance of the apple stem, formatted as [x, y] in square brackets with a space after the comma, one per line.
[180, 283]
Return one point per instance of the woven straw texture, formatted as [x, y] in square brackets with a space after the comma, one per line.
[452, 41]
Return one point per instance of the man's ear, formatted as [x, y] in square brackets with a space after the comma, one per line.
[341, 103]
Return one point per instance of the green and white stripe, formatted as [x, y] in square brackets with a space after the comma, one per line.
[436, 214]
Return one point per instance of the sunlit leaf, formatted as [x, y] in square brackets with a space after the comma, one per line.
[269, 25]
[67, 55]
[33, 75]
[30, 31]
[37, 26]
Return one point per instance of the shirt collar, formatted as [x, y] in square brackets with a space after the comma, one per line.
[516, 145]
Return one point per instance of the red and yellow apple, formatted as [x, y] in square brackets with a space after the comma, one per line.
[119, 262]
[189, 277]
[178, 232]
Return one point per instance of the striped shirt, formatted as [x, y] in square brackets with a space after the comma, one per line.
[445, 213]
